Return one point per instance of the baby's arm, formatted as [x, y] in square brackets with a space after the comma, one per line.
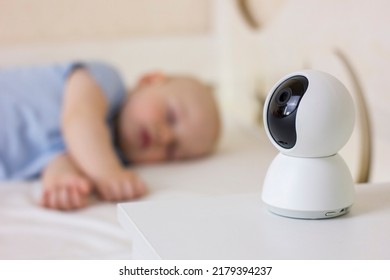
[88, 139]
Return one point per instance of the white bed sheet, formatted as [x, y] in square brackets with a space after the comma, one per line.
[28, 231]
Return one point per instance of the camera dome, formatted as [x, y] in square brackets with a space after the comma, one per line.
[309, 114]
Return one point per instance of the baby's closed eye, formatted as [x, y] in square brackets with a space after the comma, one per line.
[171, 117]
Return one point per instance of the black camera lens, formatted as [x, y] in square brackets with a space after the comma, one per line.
[287, 96]
[283, 96]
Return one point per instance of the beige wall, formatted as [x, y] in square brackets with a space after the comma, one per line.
[25, 21]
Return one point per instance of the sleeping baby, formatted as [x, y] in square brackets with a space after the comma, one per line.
[78, 127]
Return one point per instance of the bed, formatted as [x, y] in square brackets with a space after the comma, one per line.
[241, 62]
[29, 231]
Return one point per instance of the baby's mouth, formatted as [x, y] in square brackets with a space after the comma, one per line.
[145, 138]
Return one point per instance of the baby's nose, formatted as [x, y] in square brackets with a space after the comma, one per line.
[166, 135]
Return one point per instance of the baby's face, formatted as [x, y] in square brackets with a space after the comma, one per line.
[168, 120]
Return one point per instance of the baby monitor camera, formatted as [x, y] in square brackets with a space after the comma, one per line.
[308, 116]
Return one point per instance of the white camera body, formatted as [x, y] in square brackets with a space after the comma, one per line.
[308, 116]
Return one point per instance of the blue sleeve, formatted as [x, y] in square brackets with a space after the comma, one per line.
[111, 83]
[30, 113]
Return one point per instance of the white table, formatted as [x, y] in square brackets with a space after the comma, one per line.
[238, 226]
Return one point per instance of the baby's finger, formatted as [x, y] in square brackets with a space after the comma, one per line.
[63, 199]
[110, 192]
[44, 198]
[104, 191]
[79, 192]
[51, 200]
[128, 190]
[116, 191]
[84, 186]
[139, 187]
[75, 200]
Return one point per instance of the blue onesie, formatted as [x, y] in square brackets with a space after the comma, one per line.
[30, 109]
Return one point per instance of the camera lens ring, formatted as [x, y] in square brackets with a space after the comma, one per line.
[283, 96]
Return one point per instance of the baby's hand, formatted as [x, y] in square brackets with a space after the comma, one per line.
[67, 192]
[119, 185]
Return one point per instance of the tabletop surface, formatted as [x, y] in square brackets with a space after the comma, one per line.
[238, 226]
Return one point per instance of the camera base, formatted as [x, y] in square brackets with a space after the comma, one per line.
[308, 188]
[309, 215]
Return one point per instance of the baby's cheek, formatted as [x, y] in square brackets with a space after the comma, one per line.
[155, 155]
[149, 112]
[154, 115]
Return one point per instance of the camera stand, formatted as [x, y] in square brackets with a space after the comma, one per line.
[308, 188]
